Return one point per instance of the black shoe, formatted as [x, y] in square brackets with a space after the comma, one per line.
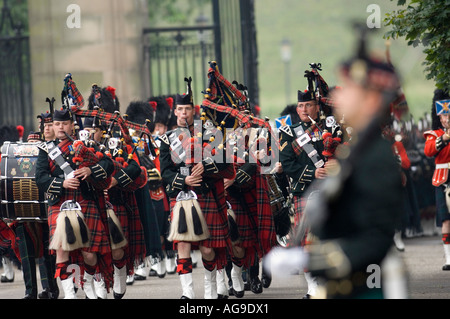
[307, 296]
[266, 280]
[139, 277]
[446, 267]
[238, 294]
[256, 286]
[117, 295]
[45, 294]
[54, 294]
[28, 296]
[161, 275]
[220, 296]
[5, 279]
[184, 297]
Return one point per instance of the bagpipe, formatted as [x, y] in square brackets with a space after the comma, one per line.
[332, 132]
[71, 231]
[121, 149]
[227, 106]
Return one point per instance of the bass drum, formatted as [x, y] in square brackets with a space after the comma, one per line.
[20, 196]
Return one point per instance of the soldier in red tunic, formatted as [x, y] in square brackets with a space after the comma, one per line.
[437, 146]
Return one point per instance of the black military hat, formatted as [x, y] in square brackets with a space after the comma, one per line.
[162, 109]
[139, 112]
[439, 95]
[62, 115]
[45, 117]
[105, 98]
[370, 71]
[186, 98]
[48, 116]
[34, 136]
[306, 96]
[92, 122]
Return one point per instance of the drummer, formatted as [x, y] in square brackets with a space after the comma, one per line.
[33, 240]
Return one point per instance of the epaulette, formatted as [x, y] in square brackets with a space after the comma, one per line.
[43, 146]
[287, 130]
[425, 134]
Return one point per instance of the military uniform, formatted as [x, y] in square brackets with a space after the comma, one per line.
[361, 223]
[435, 147]
[249, 200]
[296, 161]
[359, 206]
[210, 226]
[50, 178]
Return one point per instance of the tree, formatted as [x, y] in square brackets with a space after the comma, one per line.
[426, 23]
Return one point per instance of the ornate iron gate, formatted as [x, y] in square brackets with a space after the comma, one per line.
[15, 75]
[170, 54]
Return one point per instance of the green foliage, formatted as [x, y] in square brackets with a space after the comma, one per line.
[19, 14]
[426, 23]
[175, 12]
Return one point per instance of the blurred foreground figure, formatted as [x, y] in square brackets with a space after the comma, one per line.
[354, 212]
[361, 203]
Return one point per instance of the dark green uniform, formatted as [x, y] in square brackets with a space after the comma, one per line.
[362, 212]
[295, 160]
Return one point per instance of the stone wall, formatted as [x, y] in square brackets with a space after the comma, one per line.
[105, 49]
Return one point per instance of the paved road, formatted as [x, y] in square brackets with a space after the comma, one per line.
[423, 258]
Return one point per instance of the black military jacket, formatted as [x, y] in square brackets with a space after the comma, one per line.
[52, 183]
[296, 162]
[172, 171]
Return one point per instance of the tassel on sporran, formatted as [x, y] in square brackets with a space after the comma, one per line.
[71, 231]
[116, 235]
[234, 231]
[188, 223]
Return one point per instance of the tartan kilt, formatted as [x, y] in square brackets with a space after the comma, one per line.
[299, 207]
[128, 215]
[95, 220]
[255, 220]
[215, 214]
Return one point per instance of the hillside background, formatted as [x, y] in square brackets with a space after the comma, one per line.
[320, 31]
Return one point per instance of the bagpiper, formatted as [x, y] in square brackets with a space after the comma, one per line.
[76, 206]
[250, 210]
[301, 148]
[195, 186]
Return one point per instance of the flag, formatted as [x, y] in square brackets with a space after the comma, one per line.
[443, 107]
[282, 121]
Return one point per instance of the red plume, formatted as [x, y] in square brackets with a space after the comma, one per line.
[20, 130]
[170, 102]
[153, 104]
[112, 91]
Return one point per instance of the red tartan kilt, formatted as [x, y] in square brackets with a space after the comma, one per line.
[132, 230]
[247, 232]
[94, 221]
[299, 207]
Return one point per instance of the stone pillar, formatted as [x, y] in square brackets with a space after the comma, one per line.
[105, 49]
